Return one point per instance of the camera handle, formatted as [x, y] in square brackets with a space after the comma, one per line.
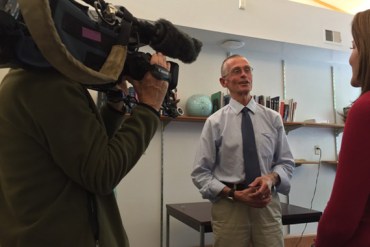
[160, 72]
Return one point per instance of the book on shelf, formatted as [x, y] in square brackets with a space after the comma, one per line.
[268, 101]
[217, 100]
[294, 110]
[286, 108]
[283, 109]
[289, 115]
[275, 103]
[260, 99]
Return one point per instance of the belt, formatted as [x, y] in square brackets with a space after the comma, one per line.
[236, 186]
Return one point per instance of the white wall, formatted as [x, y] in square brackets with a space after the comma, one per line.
[278, 20]
[162, 175]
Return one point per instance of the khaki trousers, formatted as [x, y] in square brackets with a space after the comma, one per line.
[235, 224]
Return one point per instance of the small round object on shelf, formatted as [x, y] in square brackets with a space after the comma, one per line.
[199, 105]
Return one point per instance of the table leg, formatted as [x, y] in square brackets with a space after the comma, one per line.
[168, 230]
[201, 230]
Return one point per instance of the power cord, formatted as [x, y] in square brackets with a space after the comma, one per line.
[313, 196]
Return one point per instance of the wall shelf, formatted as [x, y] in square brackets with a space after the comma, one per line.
[289, 126]
[184, 119]
[300, 162]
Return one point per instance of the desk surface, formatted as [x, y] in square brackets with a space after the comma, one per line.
[198, 214]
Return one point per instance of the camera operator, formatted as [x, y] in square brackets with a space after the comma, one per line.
[60, 159]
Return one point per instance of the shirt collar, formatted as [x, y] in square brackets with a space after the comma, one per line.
[237, 107]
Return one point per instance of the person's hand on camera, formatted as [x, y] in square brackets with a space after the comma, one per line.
[151, 91]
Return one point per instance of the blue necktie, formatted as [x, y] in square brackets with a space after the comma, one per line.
[251, 163]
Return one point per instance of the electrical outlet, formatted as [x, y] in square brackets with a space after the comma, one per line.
[317, 149]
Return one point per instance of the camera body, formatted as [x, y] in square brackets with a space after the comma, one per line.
[89, 36]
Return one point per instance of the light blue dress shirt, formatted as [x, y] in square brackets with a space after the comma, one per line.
[219, 156]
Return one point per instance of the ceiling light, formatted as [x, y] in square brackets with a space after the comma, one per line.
[232, 44]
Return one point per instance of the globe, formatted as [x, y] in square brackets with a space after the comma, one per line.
[199, 105]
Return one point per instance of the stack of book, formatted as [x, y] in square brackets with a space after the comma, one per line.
[219, 99]
[286, 107]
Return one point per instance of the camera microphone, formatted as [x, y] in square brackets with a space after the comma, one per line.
[164, 37]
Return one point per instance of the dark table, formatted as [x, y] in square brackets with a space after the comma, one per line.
[197, 215]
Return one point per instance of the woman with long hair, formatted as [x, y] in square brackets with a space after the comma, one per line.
[346, 218]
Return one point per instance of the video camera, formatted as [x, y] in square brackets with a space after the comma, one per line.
[91, 37]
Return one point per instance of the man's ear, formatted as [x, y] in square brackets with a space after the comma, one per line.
[223, 82]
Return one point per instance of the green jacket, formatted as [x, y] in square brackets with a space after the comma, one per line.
[54, 148]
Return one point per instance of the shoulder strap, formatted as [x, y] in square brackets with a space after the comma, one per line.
[38, 19]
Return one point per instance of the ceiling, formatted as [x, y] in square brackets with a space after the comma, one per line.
[347, 6]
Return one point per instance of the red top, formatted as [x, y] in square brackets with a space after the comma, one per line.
[346, 218]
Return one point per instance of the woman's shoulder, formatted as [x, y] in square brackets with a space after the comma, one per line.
[360, 110]
[362, 103]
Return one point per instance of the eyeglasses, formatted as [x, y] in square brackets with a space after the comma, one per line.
[238, 71]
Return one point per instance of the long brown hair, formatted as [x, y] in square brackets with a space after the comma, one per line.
[361, 37]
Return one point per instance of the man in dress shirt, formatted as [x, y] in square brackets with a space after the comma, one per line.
[242, 212]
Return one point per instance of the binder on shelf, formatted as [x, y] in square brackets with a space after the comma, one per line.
[261, 100]
[217, 100]
[275, 103]
[268, 101]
